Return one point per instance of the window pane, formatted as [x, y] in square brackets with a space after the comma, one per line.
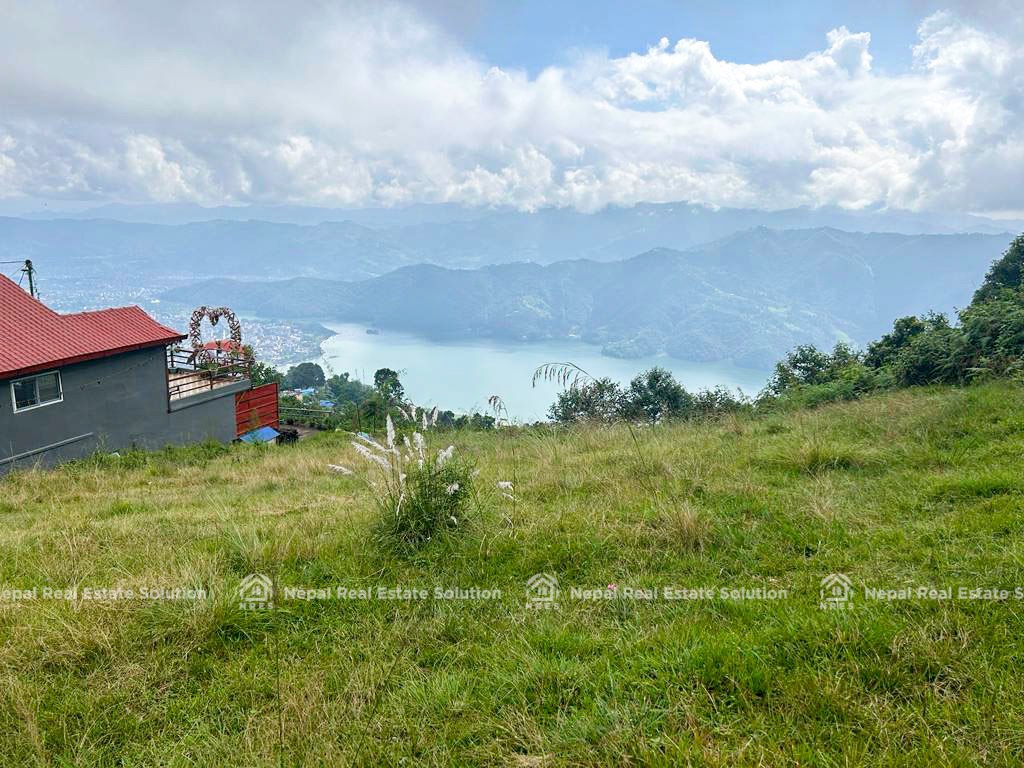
[25, 393]
[48, 387]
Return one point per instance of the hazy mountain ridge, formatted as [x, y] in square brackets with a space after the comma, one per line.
[377, 241]
[869, 220]
[747, 298]
[245, 248]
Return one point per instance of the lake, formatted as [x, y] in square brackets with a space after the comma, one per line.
[461, 375]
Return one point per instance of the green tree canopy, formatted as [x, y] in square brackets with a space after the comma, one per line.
[598, 400]
[304, 375]
[345, 389]
[654, 395]
[885, 350]
[387, 383]
[261, 373]
[1004, 273]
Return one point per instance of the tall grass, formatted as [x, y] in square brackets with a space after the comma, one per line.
[420, 494]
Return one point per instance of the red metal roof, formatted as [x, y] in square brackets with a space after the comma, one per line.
[33, 337]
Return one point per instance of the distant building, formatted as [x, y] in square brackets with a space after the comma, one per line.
[110, 380]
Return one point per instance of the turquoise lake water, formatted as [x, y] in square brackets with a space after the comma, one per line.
[461, 375]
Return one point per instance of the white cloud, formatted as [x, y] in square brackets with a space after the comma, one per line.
[371, 104]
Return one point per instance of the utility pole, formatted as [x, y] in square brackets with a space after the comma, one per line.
[29, 270]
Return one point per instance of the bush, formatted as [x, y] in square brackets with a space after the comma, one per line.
[599, 400]
[419, 495]
[993, 335]
[849, 383]
[884, 351]
[655, 395]
[1005, 273]
[808, 366]
[714, 402]
[933, 356]
[434, 501]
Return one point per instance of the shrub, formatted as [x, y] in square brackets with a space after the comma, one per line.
[714, 402]
[932, 357]
[599, 400]
[1006, 272]
[419, 495]
[808, 366]
[884, 351]
[435, 498]
[849, 383]
[655, 395]
[993, 335]
[651, 397]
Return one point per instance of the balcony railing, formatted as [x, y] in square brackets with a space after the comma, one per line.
[187, 375]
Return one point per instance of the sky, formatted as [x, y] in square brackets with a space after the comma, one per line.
[864, 105]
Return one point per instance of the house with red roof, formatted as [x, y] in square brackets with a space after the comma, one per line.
[73, 384]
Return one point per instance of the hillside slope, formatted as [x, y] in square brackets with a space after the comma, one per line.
[916, 488]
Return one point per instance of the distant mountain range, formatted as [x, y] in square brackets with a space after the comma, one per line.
[748, 297]
[732, 219]
[96, 248]
[351, 245]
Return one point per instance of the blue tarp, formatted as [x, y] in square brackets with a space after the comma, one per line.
[326, 404]
[261, 435]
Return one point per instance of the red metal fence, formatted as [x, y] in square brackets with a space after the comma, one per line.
[255, 408]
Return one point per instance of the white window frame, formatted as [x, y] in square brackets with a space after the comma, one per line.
[60, 388]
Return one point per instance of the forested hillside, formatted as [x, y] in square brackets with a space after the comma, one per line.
[748, 298]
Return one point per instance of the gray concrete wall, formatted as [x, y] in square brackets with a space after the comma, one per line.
[111, 404]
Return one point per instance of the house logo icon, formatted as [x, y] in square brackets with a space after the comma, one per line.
[542, 591]
[256, 592]
[836, 591]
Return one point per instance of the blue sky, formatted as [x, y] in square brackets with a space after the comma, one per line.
[910, 106]
[533, 34]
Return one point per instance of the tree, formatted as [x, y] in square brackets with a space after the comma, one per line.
[261, 373]
[387, 383]
[933, 356]
[348, 390]
[655, 395]
[885, 350]
[715, 402]
[1006, 272]
[304, 375]
[993, 335]
[804, 365]
[599, 400]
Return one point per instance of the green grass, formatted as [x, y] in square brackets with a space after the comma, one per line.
[918, 487]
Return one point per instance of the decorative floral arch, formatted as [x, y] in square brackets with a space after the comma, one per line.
[213, 314]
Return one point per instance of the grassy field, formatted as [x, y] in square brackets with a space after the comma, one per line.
[916, 488]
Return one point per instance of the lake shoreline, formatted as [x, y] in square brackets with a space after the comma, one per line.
[460, 375]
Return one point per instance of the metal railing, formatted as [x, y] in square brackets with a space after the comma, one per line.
[189, 375]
